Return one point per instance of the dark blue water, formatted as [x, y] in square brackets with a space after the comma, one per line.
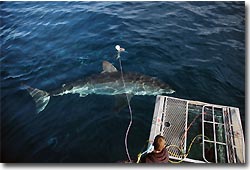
[198, 48]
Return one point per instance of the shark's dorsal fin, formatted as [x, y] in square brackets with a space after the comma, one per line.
[108, 67]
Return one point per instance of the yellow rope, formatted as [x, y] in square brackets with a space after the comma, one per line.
[140, 154]
[139, 158]
[184, 155]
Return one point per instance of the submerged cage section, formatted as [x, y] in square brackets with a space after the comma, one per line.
[199, 132]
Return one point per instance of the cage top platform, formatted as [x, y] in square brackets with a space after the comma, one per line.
[199, 132]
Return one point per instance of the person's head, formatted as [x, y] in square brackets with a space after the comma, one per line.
[159, 143]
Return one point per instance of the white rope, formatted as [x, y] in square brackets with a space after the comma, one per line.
[130, 110]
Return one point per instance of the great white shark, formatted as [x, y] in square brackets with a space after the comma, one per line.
[108, 82]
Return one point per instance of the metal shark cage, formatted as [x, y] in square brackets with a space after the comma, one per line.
[199, 132]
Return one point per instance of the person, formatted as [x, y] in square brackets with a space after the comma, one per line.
[159, 154]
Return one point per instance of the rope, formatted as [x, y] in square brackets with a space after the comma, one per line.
[186, 130]
[184, 155]
[130, 110]
[142, 153]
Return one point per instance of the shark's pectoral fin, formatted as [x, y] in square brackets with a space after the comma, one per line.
[121, 101]
[108, 67]
[83, 95]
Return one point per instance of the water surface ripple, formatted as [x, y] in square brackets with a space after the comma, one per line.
[198, 48]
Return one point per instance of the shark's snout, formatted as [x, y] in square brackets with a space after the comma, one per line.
[170, 91]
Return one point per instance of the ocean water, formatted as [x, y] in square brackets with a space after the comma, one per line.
[198, 48]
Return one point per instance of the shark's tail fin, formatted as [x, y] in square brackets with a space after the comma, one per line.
[40, 97]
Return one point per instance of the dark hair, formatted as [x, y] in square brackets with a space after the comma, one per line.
[158, 143]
